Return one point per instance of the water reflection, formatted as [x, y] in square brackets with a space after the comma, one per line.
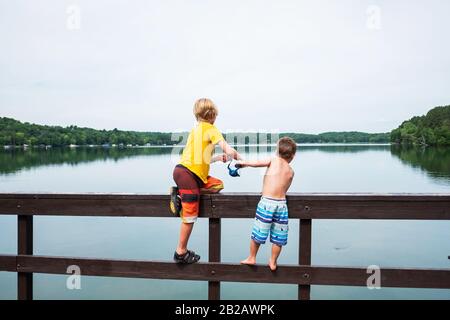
[434, 161]
[12, 161]
[350, 148]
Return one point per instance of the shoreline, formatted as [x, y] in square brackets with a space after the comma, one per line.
[335, 144]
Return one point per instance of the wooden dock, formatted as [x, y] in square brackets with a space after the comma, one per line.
[306, 207]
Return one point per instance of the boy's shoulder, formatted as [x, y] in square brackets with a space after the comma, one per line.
[283, 164]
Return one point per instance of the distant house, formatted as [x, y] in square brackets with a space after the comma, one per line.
[73, 146]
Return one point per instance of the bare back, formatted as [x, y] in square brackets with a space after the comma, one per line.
[277, 179]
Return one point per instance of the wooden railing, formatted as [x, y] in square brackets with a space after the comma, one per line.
[305, 207]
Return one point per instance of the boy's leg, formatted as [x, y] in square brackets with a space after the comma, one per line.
[251, 259]
[185, 233]
[190, 202]
[260, 231]
[276, 250]
[213, 185]
[278, 234]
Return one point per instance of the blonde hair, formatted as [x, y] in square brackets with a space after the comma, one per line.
[205, 110]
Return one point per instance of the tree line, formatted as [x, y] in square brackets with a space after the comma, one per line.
[13, 132]
[431, 129]
[16, 133]
[340, 137]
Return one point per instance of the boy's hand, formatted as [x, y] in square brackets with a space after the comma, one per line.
[221, 157]
[240, 164]
[224, 157]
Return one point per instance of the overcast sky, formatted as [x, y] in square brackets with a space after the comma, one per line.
[303, 66]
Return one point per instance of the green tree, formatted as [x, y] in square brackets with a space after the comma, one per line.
[430, 129]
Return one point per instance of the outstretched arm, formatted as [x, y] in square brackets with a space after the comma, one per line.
[254, 164]
[221, 157]
[231, 152]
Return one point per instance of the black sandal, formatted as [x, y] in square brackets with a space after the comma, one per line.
[175, 201]
[187, 258]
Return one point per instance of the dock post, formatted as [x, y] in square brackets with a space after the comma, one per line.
[304, 256]
[24, 247]
[214, 255]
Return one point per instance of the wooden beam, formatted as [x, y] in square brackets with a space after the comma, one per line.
[24, 247]
[302, 206]
[319, 275]
[88, 205]
[304, 255]
[8, 263]
[214, 255]
[342, 206]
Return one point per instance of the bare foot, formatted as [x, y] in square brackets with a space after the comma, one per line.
[273, 265]
[249, 261]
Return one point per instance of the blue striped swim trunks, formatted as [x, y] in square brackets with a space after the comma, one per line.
[271, 217]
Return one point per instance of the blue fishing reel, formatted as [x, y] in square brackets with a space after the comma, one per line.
[234, 172]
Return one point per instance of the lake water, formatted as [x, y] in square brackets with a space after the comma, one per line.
[319, 168]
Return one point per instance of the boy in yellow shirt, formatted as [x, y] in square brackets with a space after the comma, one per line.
[192, 174]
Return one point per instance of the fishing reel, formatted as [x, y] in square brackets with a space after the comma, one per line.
[234, 172]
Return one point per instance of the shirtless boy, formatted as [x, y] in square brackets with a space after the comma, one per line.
[272, 211]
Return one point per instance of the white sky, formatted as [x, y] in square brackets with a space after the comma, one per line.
[303, 66]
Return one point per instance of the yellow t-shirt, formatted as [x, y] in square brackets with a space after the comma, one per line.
[199, 149]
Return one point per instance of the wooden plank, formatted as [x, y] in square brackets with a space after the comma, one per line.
[24, 234]
[8, 263]
[212, 271]
[91, 205]
[342, 206]
[390, 277]
[24, 247]
[303, 206]
[235, 205]
[214, 255]
[372, 209]
[304, 255]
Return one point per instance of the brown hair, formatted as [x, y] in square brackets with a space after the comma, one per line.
[286, 148]
[205, 110]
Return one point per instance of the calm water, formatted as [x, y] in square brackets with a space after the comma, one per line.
[319, 168]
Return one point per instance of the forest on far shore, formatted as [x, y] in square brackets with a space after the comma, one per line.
[16, 133]
[432, 129]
